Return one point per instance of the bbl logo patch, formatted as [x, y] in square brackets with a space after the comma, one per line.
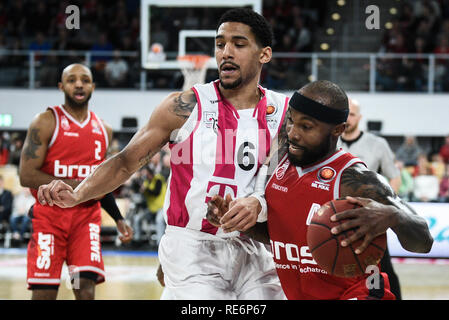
[326, 174]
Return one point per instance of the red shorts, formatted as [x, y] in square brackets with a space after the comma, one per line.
[71, 235]
[378, 289]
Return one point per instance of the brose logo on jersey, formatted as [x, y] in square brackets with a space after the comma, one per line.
[72, 170]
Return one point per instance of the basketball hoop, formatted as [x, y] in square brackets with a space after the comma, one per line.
[194, 68]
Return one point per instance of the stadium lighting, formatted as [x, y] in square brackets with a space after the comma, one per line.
[324, 46]
[336, 16]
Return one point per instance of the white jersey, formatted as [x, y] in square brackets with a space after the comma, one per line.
[219, 150]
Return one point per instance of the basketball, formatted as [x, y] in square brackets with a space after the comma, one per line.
[326, 247]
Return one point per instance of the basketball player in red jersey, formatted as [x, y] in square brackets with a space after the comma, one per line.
[67, 142]
[311, 173]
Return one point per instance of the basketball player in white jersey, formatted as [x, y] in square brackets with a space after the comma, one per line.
[220, 134]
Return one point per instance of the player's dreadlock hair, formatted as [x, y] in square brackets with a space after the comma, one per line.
[258, 24]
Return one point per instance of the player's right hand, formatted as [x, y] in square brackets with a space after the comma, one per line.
[57, 193]
[216, 208]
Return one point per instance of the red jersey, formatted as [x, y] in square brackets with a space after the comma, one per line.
[75, 149]
[293, 194]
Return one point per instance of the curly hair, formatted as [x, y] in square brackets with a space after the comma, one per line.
[258, 24]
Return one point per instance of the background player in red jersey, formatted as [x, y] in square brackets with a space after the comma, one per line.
[67, 141]
[315, 120]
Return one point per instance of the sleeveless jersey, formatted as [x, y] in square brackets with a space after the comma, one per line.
[75, 149]
[293, 194]
[218, 151]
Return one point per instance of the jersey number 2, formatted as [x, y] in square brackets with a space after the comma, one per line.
[97, 150]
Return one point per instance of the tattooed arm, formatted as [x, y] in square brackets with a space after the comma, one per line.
[34, 151]
[382, 209]
[170, 115]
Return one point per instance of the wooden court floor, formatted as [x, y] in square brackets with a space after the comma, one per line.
[132, 276]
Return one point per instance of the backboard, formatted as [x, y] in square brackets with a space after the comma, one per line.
[151, 9]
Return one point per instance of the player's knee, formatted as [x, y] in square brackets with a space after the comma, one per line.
[85, 289]
[44, 294]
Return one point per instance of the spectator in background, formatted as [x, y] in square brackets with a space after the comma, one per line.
[19, 221]
[84, 38]
[442, 65]
[406, 188]
[116, 71]
[40, 43]
[154, 192]
[276, 76]
[410, 75]
[409, 151]
[444, 33]
[443, 194]
[422, 166]
[114, 148]
[127, 44]
[4, 150]
[437, 165]
[62, 42]
[191, 20]
[302, 35]
[15, 149]
[6, 199]
[444, 151]
[426, 185]
[102, 45]
[153, 189]
[159, 35]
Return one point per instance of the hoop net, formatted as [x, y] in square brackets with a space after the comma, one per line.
[194, 71]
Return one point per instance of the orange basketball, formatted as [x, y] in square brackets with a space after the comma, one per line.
[326, 247]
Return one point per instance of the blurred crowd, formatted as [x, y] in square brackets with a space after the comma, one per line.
[424, 176]
[105, 28]
[420, 27]
[108, 28]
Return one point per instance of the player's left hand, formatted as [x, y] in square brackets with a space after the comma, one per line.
[126, 232]
[370, 221]
[242, 215]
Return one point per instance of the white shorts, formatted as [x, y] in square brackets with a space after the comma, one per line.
[216, 268]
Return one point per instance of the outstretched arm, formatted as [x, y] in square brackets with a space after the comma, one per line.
[165, 119]
[382, 209]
